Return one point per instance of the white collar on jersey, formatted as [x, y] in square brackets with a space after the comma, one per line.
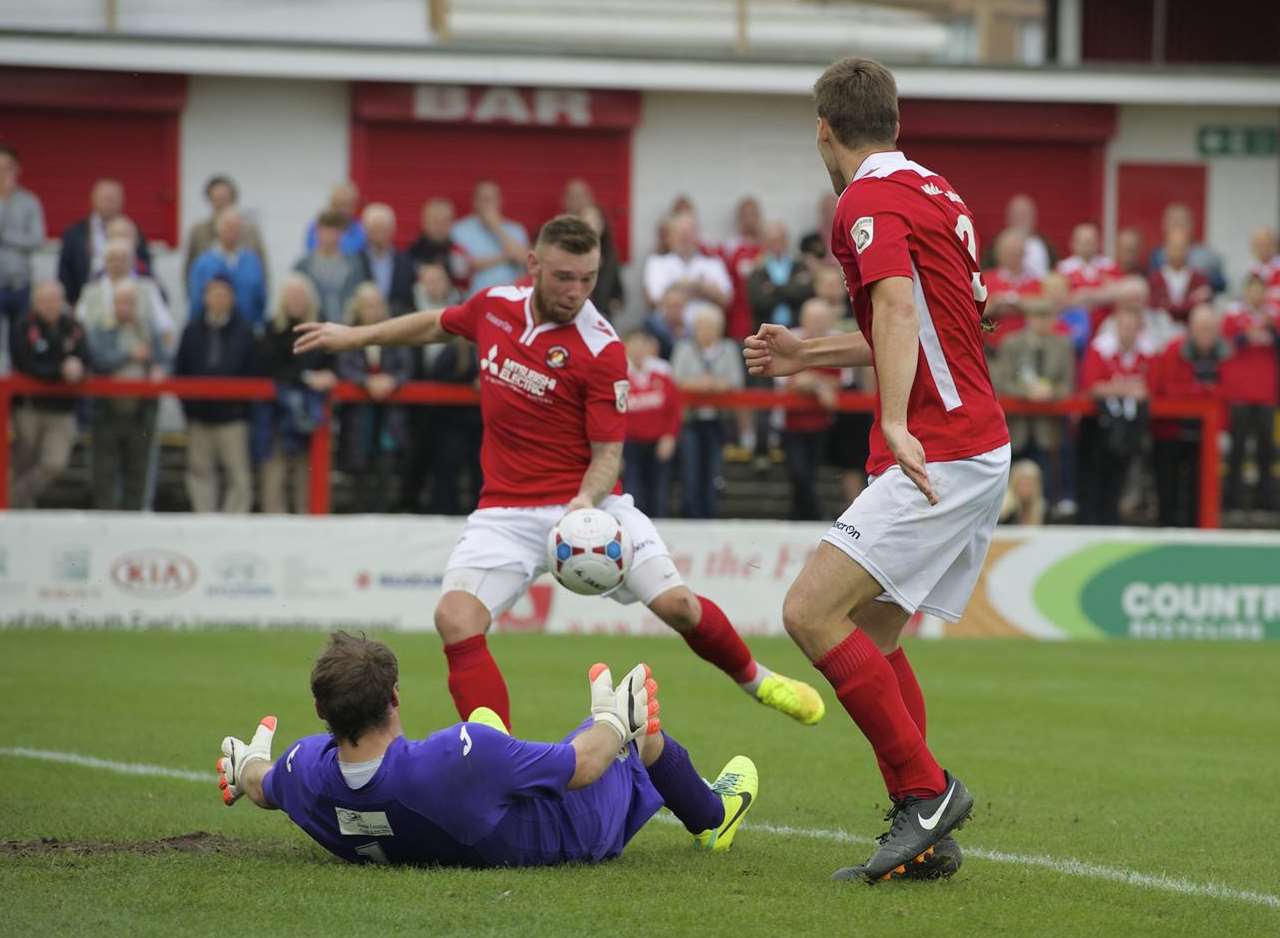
[886, 163]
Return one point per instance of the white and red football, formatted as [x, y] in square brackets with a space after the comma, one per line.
[589, 552]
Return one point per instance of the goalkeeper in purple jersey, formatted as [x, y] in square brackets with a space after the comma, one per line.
[472, 795]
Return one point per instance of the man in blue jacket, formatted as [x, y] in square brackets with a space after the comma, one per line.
[240, 265]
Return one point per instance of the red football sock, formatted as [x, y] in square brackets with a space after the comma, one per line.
[715, 640]
[474, 679]
[867, 687]
[908, 686]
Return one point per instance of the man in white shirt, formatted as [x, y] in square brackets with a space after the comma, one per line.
[704, 276]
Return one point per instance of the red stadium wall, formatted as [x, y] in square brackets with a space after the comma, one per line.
[1144, 189]
[991, 151]
[72, 127]
[408, 144]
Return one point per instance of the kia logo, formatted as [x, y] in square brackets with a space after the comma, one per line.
[154, 573]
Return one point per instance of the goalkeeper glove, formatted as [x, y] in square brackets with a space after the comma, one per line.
[237, 755]
[631, 709]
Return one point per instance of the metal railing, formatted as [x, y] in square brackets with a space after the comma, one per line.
[1207, 412]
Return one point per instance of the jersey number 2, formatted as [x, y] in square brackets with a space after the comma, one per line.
[965, 232]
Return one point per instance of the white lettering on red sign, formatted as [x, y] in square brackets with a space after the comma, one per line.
[545, 106]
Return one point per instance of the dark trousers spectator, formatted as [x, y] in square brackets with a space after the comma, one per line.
[369, 447]
[701, 446]
[419, 456]
[43, 440]
[647, 478]
[123, 432]
[1177, 465]
[804, 454]
[455, 454]
[1101, 476]
[1254, 422]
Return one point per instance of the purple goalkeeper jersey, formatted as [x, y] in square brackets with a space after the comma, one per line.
[465, 796]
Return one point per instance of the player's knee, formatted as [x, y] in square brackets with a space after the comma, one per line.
[460, 616]
[796, 618]
[678, 608]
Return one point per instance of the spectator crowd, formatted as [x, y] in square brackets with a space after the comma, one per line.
[1161, 323]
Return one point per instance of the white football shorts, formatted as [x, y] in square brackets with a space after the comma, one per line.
[926, 557]
[501, 551]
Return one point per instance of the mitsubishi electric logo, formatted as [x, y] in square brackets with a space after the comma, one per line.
[513, 374]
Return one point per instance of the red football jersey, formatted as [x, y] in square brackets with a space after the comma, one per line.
[1254, 375]
[1270, 274]
[1092, 273]
[1104, 362]
[898, 219]
[653, 405]
[1011, 289]
[547, 392]
[739, 258]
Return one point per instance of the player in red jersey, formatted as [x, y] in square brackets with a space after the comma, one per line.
[553, 396]
[916, 537]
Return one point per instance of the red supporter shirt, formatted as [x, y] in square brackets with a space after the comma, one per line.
[739, 259]
[1270, 274]
[898, 219]
[1003, 288]
[653, 406]
[1254, 375]
[547, 392]
[1090, 274]
[1104, 362]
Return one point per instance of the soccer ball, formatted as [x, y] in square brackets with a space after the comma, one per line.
[589, 552]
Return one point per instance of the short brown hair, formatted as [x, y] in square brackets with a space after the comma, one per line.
[570, 233]
[353, 682]
[332, 219]
[858, 99]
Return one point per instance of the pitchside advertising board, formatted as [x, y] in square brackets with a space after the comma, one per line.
[100, 570]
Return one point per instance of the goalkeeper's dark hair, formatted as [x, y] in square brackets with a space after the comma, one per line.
[569, 233]
[353, 682]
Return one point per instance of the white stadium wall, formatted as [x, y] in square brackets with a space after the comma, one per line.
[94, 570]
[284, 142]
[1242, 192]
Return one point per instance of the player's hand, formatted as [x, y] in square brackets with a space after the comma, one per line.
[909, 453]
[631, 709]
[331, 337]
[237, 755]
[579, 501]
[773, 352]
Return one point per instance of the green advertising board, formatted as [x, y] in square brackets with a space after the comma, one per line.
[1141, 589]
[1238, 140]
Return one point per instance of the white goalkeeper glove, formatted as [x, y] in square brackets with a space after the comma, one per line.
[237, 755]
[631, 709]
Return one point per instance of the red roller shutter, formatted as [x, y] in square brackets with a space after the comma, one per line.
[991, 151]
[71, 128]
[407, 147]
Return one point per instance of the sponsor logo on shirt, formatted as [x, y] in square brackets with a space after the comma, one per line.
[620, 390]
[516, 375]
[862, 232]
[363, 823]
[557, 356]
[499, 322]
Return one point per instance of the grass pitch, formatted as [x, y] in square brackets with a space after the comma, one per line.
[1135, 760]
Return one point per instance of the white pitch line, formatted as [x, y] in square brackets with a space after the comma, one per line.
[1068, 867]
[92, 762]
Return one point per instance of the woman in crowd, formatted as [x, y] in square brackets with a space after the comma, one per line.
[284, 430]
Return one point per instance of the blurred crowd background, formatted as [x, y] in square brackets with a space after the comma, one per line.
[1157, 320]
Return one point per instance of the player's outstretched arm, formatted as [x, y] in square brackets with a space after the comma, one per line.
[621, 715]
[775, 351]
[420, 328]
[243, 767]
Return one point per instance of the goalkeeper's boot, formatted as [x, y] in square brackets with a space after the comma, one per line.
[738, 787]
[794, 698]
[489, 718]
[908, 849]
